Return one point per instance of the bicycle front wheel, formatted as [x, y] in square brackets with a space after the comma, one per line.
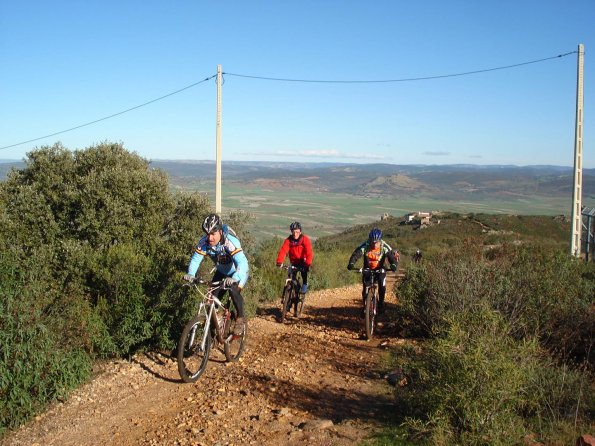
[370, 316]
[286, 303]
[234, 344]
[193, 349]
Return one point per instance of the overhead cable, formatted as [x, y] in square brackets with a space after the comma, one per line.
[399, 80]
[110, 116]
[295, 80]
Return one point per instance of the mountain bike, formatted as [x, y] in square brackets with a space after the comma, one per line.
[213, 325]
[291, 293]
[371, 301]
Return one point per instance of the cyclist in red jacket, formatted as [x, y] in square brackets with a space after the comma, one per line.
[299, 248]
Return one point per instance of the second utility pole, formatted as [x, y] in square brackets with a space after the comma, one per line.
[576, 220]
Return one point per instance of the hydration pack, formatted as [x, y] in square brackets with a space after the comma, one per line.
[227, 230]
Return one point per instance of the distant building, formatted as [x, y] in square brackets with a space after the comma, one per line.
[423, 218]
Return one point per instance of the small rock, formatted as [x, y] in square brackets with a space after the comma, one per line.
[316, 425]
[394, 377]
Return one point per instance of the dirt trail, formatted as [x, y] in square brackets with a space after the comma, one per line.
[310, 381]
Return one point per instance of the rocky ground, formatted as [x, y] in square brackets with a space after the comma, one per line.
[309, 381]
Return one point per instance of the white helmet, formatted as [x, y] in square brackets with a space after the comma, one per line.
[212, 223]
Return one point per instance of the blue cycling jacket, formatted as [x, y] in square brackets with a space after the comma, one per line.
[228, 256]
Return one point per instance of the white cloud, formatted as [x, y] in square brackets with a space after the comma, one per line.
[437, 153]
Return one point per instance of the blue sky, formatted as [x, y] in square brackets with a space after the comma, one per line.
[68, 63]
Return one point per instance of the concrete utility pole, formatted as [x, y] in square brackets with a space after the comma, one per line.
[576, 219]
[218, 146]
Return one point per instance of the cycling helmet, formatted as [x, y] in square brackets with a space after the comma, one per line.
[375, 235]
[212, 223]
[295, 225]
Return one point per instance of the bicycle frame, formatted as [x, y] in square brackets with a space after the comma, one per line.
[210, 307]
[294, 284]
[375, 273]
[371, 307]
[292, 277]
[213, 324]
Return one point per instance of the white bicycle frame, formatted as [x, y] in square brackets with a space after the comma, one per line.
[209, 306]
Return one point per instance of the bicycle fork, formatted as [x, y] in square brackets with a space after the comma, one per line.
[203, 341]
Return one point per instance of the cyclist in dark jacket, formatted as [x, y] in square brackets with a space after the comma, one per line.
[375, 252]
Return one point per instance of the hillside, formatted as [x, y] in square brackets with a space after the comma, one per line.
[446, 182]
[429, 182]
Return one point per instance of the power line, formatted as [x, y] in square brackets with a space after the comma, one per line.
[295, 80]
[400, 80]
[110, 116]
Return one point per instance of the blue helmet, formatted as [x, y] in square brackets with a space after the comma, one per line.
[375, 235]
[295, 225]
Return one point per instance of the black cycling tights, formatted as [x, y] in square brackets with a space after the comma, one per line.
[234, 291]
[367, 280]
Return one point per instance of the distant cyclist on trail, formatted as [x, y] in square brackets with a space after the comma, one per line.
[231, 264]
[417, 256]
[299, 248]
[375, 252]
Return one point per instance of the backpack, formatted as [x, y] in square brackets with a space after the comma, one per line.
[227, 230]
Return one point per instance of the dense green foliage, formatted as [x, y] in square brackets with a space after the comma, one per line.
[509, 337]
[43, 355]
[92, 244]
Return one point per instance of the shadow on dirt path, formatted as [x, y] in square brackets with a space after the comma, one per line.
[308, 381]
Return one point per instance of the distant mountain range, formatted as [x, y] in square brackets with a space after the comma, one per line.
[455, 181]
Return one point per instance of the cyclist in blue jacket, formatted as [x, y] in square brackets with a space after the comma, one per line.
[231, 263]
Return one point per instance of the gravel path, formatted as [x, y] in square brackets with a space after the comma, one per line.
[309, 381]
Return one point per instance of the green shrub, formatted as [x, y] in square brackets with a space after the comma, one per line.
[539, 291]
[507, 333]
[37, 364]
[96, 241]
[476, 385]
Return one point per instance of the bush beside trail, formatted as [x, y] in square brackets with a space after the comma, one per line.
[508, 350]
[91, 243]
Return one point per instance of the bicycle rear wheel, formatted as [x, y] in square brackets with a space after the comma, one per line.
[234, 344]
[370, 316]
[193, 353]
[286, 303]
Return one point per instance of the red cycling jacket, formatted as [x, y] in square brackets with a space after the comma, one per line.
[300, 250]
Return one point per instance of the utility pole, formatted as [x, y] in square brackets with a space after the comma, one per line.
[218, 146]
[576, 219]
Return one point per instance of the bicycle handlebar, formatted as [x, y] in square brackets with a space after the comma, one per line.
[369, 270]
[292, 267]
[200, 281]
